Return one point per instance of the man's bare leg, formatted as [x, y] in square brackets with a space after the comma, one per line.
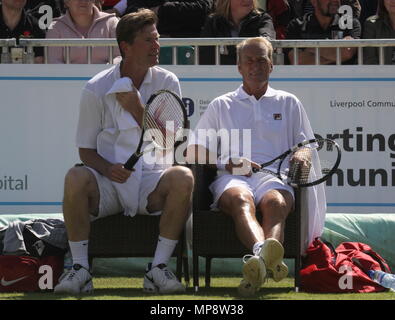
[239, 204]
[81, 197]
[173, 196]
[275, 207]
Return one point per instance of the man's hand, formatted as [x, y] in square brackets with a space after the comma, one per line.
[241, 166]
[299, 165]
[130, 102]
[118, 173]
[302, 157]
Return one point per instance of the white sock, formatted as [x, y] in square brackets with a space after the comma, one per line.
[256, 249]
[164, 250]
[79, 252]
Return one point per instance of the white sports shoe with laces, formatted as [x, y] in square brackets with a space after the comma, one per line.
[269, 261]
[254, 270]
[272, 252]
[77, 280]
[160, 279]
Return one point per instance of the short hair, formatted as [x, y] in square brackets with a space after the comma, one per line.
[132, 23]
[222, 8]
[261, 40]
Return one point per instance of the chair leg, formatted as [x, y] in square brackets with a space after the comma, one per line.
[297, 272]
[90, 261]
[208, 272]
[179, 267]
[186, 270]
[298, 259]
[195, 268]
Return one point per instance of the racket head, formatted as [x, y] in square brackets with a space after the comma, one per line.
[311, 162]
[164, 119]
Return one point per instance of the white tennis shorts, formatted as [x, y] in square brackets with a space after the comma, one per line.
[109, 202]
[257, 185]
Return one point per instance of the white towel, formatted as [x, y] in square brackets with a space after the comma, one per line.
[128, 135]
[313, 206]
[122, 117]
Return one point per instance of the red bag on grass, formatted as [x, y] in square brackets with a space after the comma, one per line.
[28, 274]
[341, 270]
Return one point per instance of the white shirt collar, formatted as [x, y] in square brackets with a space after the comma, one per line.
[241, 94]
[147, 77]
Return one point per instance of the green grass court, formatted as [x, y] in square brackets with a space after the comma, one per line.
[222, 288]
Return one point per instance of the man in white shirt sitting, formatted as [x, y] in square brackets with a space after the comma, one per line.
[269, 122]
[93, 191]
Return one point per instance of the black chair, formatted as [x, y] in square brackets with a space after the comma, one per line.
[214, 235]
[122, 236]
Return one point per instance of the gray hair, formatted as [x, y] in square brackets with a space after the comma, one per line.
[258, 40]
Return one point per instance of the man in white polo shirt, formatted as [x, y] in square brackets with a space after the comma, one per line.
[108, 132]
[268, 123]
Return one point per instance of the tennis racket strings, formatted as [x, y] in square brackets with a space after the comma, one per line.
[165, 120]
[310, 163]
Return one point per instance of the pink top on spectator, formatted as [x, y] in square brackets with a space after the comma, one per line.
[103, 26]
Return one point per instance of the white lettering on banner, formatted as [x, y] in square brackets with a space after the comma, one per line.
[352, 104]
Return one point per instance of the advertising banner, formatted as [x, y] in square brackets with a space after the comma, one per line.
[355, 105]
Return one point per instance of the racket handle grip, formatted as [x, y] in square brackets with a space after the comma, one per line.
[131, 162]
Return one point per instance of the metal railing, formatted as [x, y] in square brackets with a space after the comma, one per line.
[278, 46]
[5, 44]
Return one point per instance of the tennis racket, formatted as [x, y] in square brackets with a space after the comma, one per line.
[308, 163]
[165, 118]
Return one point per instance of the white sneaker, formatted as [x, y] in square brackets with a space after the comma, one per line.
[161, 280]
[77, 280]
[272, 253]
[254, 270]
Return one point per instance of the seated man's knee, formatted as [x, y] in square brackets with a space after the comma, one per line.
[279, 201]
[181, 179]
[235, 202]
[77, 180]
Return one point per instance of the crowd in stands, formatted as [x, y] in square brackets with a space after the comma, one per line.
[274, 19]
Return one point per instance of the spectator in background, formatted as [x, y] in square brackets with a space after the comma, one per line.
[280, 12]
[355, 6]
[323, 23]
[177, 19]
[301, 7]
[234, 18]
[368, 9]
[380, 26]
[33, 6]
[16, 23]
[83, 20]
